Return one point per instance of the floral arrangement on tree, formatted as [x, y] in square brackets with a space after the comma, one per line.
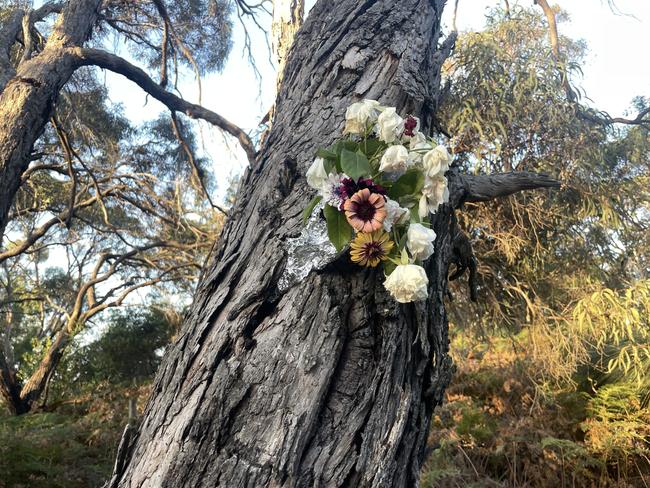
[378, 187]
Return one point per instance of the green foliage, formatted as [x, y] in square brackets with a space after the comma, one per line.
[564, 274]
[355, 164]
[39, 450]
[618, 427]
[507, 110]
[309, 209]
[199, 36]
[475, 426]
[410, 183]
[338, 229]
[129, 349]
[72, 448]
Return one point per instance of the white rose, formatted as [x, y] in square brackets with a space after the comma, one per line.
[394, 214]
[390, 125]
[395, 159]
[434, 193]
[417, 144]
[418, 139]
[359, 115]
[436, 162]
[419, 241]
[407, 283]
[316, 174]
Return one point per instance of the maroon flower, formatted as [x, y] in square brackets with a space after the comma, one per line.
[349, 187]
[410, 124]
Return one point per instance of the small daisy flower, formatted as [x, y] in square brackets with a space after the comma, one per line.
[368, 249]
[333, 191]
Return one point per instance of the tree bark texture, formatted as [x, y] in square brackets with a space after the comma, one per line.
[287, 19]
[330, 383]
[27, 99]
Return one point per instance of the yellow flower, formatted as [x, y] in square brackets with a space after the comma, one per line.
[369, 248]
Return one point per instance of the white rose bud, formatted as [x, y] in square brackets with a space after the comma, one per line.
[419, 241]
[360, 115]
[394, 214]
[395, 159]
[407, 283]
[436, 162]
[316, 174]
[390, 125]
[434, 193]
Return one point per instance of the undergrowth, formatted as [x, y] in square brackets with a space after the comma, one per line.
[501, 427]
[72, 446]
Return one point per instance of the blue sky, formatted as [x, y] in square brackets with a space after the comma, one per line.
[614, 73]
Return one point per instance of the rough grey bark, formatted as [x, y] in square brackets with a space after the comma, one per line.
[328, 383]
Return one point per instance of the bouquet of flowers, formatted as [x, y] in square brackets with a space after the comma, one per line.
[377, 187]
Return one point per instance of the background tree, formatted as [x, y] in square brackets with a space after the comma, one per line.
[507, 109]
[103, 207]
[325, 381]
[105, 211]
[37, 67]
[562, 278]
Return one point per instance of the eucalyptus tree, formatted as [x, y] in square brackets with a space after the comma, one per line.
[38, 59]
[117, 208]
[507, 107]
[325, 381]
[106, 211]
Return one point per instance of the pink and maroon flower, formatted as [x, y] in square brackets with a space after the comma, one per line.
[365, 211]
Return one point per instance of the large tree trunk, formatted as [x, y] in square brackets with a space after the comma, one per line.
[329, 382]
[27, 99]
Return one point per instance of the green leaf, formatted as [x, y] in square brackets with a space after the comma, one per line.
[338, 229]
[354, 164]
[344, 144]
[415, 214]
[309, 209]
[326, 154]
[389, 267]
[409, 183]
[330, 166]
[372, 146]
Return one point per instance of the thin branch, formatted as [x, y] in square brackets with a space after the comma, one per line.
[27, 37]
[192, 159]
[63, 139]
[638, 120]
[111, 62]
[555, 47]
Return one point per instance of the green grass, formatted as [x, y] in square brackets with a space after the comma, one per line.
[72, 448]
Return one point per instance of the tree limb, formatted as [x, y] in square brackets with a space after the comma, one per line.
[482, 188]
[638, 120]
[554, 38]
[47, 9]
[111, 62]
